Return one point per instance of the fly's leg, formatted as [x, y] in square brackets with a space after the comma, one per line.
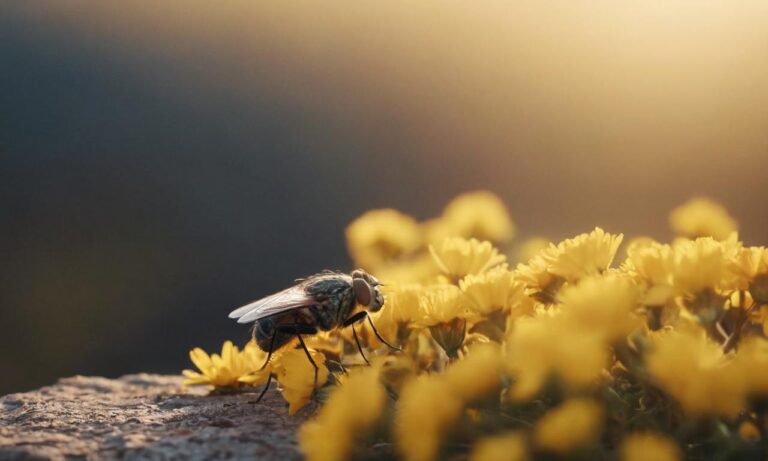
[376, 332]
[266, 362]
[264, 391]
[299, 329]
[355, 318]
[271, 349]
[311, 360]
[359, 347]
[294, 329]
[364, 314]
[351, 322]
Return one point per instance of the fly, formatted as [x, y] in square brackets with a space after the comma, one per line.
[321, 302]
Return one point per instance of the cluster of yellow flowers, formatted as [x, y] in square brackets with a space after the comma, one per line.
[661, 356]
[234, 369]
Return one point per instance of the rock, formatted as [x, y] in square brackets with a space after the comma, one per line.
[145, 417]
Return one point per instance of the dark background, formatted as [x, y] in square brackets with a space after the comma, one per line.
[164, 162]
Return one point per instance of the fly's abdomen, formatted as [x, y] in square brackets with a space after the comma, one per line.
[263, 332]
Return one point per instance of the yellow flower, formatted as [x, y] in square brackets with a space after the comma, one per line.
[350, 413]
[401, 303]
[440, 304]
[535, 274]
[419, 268]
[701, 217]
[749, 262]
[604, 304]
[496, 289]
[476, 374]
[382, 235]
[650, 262]
[329, 342]
[480, 214]
[531, 248]
[296, 376]
[549, 343]
[457, 257]
[227, 369]
[574, 424]
[703, 264]
[694, 371]
[585, 254]
[750, 270]
[426, 411]
[752, 359]
[648, 447]
[639, 241]
[257, 357]
[571, 259]
[510, 446]
[442, 309]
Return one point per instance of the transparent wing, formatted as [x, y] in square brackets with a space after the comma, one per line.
[290, 298]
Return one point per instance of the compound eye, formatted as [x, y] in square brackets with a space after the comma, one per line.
[378, 303]
[363, 292]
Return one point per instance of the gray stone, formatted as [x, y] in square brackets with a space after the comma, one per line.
[145, 417]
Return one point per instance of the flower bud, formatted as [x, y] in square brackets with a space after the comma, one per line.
[450, 335]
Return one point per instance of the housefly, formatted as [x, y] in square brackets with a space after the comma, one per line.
[321, 302]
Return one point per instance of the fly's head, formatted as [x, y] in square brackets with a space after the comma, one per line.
[367, 290]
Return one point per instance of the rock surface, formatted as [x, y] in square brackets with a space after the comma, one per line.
[144, 417]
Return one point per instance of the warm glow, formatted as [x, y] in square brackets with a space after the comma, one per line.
[574, 97]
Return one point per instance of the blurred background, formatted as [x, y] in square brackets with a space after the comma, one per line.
[164, 162]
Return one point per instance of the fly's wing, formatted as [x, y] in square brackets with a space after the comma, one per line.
[285, 300]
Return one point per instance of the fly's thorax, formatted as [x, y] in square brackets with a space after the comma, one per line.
[334, 296]
[346, 304]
